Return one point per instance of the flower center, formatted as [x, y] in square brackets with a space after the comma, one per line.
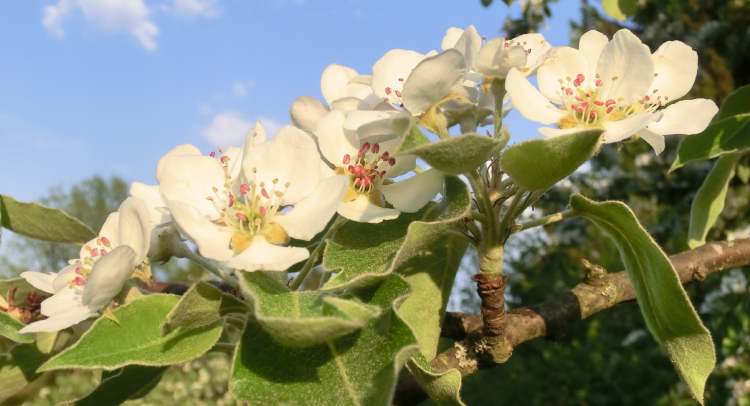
[587, 108]
[92, 252]
[366, 170]
[249, 209]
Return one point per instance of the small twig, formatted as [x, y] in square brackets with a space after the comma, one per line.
[543, 221]
[315, 255]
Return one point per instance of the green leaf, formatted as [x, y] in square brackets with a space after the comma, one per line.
[42, 223]
[9, 329]
[413, 139]
[135, 339]
[620, 9]
[738, 102]
[456, 155]
[358, 369]
[18, 368]
[202, 305]
[709, 201]
[120, 385]
[365, 253]
[361, 253]
[540, 163]
[302, 318]
[722, 137]
[666, 308]
[444, 387]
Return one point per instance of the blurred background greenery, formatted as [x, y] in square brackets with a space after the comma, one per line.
[609, 358]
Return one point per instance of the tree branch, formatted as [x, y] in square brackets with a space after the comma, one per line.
[589, 297]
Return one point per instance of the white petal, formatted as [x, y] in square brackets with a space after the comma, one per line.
[40, 280]
[381, 127]
[212, 240]
[184, 149]
[432, 79]
[62, 301]
[257, 135]
[334, 143]
[150, 195]
[685, 117]
[390, 72]
[346, 104]
[591, 44]
[291, 157]
[306, 111]
[333, 81]
[135, 227]
[468, 44]
[110, 229]
[108, 277]
[529, 101]
[361, 210]
[619, 130]
[450, 38]
[191, 179]
[234, 154]
[675, 68]
[535, 47]
[60, 321]
[559, 69]
[412, 194]
[625, 68]
[310, 215]
[495, 59]
[65, 277]
[655, 140]
[261, 255]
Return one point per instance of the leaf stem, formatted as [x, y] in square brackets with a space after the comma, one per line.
[315, 254]
[550, 219]
[208, 265]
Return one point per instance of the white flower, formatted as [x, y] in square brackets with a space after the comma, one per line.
[242, 207]
[89, 283]
[361, 144]
[343, 89]
[165, 238]
[616, 85]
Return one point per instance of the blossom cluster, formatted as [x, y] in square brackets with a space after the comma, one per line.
[255, 207]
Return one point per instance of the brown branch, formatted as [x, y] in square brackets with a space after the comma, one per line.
[598, 292]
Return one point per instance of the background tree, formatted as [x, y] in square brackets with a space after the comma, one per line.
[610, 356]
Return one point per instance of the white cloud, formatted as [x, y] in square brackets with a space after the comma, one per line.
[195, 8]
[230, 128]
[131, 16]
[240, 89]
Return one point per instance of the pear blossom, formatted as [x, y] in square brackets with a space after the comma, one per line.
[89, 283]
[361, 145]
[343, 88]
[165, 237]
[242, 207]
[617, 85]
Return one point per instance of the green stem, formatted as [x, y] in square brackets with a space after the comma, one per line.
[315, 255]
[485, 205]
[550, 219]
[209, 265]
[498, 90]
[510, 214]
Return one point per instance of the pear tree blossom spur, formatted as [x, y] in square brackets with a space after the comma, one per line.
[242, 208]
[615, 85]
[88, 284]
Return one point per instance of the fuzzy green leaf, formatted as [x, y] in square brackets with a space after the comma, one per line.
[540, 163]
[709, 201]
[18, 368]
[358, 369]
[725, 136]
[42, 223]
[201, 305]
[444, 387]
[120, 385]
[457, 155]
[136, 339]
[9, 329]
[361, 253]
[413, 139]
[302, 318]
[666, 308]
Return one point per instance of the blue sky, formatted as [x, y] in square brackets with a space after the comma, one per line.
[106, 87]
